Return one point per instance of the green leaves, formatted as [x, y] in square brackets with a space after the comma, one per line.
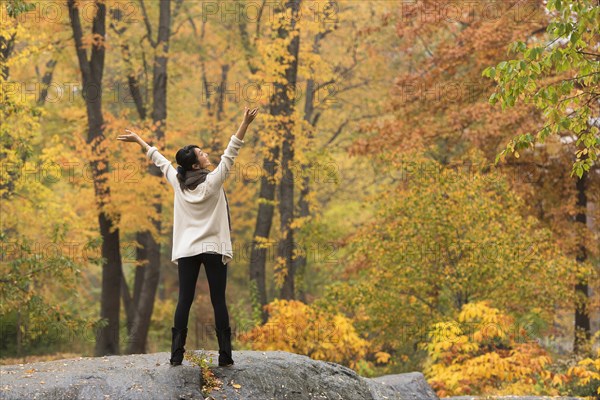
[577, 169]
[490, 72]
[533, 53]
[447, 238]
[552, 95]
[17, 7]
[517, 46]
[563, 103]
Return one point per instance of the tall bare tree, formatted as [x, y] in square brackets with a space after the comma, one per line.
[139, 307]
[107, 339]
[284, 107]
[266, 206]
[583, 333]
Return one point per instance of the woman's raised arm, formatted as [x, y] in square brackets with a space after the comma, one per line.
[216, 178]
[152, 153]
[135, 138]
[249, 116]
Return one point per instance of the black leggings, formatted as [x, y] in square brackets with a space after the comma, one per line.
[216, 273]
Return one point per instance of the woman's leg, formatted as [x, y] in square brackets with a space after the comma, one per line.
[188, 267]
[216, 273]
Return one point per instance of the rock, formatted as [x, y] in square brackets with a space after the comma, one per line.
[275, 375]
[511, 398]
[410, 386]
[111, 377]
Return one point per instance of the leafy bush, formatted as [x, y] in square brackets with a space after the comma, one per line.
[486, 352]
[299, 328]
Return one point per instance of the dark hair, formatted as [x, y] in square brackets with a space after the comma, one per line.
[186, 158]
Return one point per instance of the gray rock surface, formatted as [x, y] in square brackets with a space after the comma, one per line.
[411, 386]
[256, 375]
[511, 398]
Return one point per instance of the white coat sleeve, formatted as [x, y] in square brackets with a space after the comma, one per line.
[169, 172]
[215, 179]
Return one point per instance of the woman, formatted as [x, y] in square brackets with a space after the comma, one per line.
[201, 231]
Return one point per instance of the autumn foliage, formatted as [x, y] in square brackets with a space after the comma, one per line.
[442, 260]
[482, 351]
[487, 351]
[299, 328]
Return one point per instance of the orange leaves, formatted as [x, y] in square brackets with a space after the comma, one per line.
[94, 40]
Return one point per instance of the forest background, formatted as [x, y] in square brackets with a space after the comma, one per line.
[388, 214]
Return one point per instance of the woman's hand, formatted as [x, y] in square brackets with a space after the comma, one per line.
[249, 115]
[130, 137]
[133, 137]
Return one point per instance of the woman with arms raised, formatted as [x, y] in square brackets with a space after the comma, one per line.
[201, 231]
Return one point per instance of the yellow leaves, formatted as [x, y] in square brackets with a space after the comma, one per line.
[589, 361]
[280, 271]
[583, 373]
[476, 362]
[298, 328]
[477, 311]
[382, 357]
[445, 345]
[299, 222]
[463, 232]
[558, 380]
[263, 242]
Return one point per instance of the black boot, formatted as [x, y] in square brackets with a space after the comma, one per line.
[224, 338]
[177, 344]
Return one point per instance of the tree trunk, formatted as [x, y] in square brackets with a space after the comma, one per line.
[46, 81]
[107, 339]
[130, 302]
[582, 317]
[266, 206]
[262, 229]
[145, 295]
[6, 47]
[222, 92]
[300, 261]
[147, 274]
[286, 186]
[216, 143]
[303, 206]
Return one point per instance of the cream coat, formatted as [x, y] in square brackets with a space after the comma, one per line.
[200, 215]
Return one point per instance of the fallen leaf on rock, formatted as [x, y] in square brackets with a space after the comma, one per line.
[30, 370]
[235, 385]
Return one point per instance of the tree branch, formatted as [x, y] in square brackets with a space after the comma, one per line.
[147, 23]
[77, 37]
